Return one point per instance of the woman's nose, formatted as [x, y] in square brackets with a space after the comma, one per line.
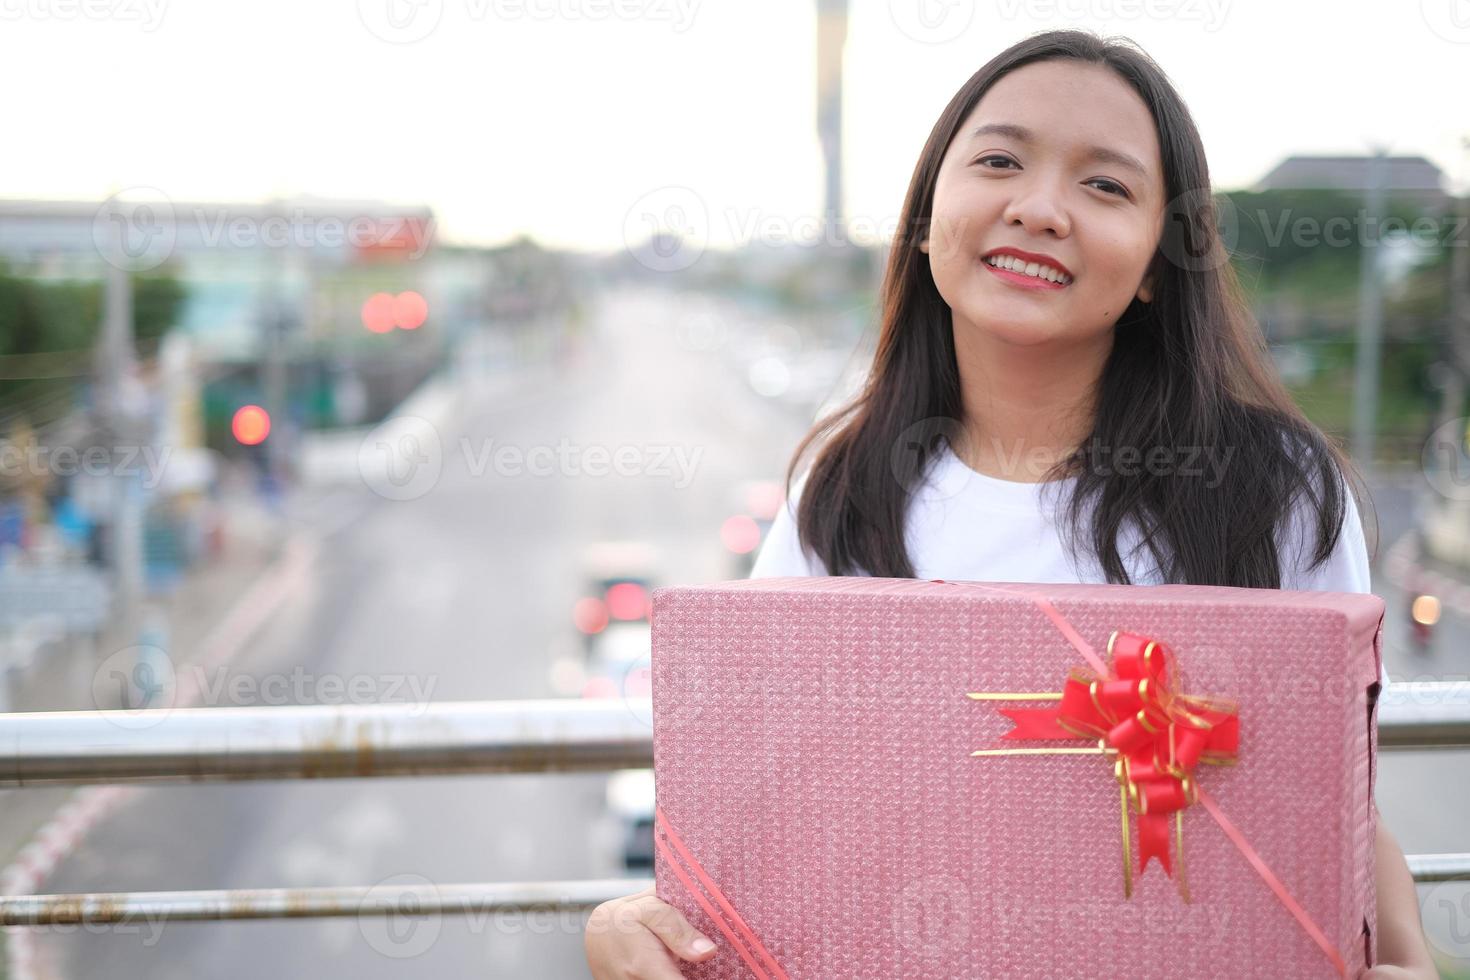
[1038, 208]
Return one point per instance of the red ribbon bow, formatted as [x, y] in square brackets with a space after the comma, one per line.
[1155, 734]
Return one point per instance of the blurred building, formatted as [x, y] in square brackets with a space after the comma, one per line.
[307, 260]
[308, 290]
[1411, 178]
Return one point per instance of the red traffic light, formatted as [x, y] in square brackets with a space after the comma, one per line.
[377, 312]
[250, 425]
[410, 310]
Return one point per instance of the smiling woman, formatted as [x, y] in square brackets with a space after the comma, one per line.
[1057, 293]
[1061, 329]
[1058, 301]
[1076, 189]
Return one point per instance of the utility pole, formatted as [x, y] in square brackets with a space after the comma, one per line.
[1370, 321]
[276, 325]
[120, 420]
[1457, 345]
[831, 36]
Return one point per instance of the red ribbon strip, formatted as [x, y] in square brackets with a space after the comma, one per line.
[1101, 712]
[736, 929]
[1157, 733]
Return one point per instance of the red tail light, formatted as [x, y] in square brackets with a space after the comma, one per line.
[627, 600]
[741, 534]
[599, 687]
[590, 615]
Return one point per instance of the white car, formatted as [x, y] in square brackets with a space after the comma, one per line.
[618, 662]
[619, 668]
[630, 800]
[618, 580]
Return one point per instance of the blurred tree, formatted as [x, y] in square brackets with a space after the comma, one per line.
[1308, 244]
[1299, 254]
[48, 329]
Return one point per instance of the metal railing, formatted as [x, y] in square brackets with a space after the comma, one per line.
[323, 741]
[306, 903]
[469, 737]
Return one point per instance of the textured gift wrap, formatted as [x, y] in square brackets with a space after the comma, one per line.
[820, 813]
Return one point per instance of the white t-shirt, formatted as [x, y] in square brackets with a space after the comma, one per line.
[966, 526]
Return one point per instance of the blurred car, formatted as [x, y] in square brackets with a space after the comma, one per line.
[618, 667]
[618, 582]
[1424, 613]
[618, 662]
[630, 800]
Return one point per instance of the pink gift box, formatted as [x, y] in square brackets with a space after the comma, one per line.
[820, 813]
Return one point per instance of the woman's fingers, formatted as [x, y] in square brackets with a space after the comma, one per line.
[634, 937]
[670, 926]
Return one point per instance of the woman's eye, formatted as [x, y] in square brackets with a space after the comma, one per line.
[1109, 187]
[1003, 163]
[1000, 158]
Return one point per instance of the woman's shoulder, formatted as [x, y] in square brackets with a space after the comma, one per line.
[1346, 567]
[781, 550]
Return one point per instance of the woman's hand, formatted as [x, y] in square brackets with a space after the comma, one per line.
[638, 937]
[1401, 973]
[1403, 949]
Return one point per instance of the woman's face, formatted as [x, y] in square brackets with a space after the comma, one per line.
[1065, 165]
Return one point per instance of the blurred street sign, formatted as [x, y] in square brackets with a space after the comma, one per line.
[75, 595]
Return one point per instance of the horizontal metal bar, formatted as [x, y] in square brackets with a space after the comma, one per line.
[323, 741]
[1425, 715]
[446, 737]
[311, 903]
[407, 899]
[1428, 868]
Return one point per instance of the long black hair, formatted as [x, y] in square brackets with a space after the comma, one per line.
[1190, 369]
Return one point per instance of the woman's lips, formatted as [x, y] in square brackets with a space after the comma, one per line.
[1022, 280]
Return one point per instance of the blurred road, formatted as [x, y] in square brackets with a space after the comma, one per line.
[466, 591]
[468, 588]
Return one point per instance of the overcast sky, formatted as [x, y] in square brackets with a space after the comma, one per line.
[568, 119]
